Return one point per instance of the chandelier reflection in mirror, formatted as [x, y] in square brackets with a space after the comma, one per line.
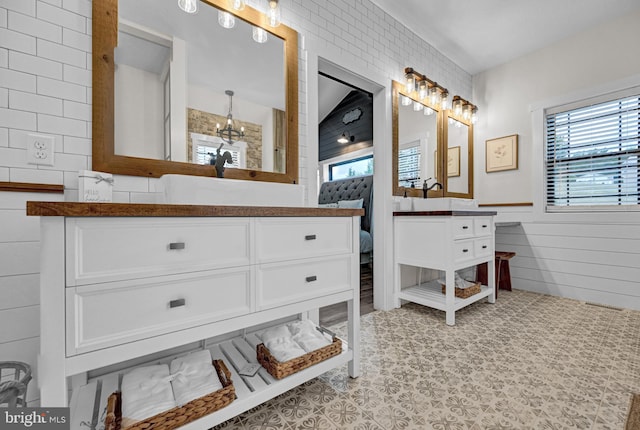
[228, 134]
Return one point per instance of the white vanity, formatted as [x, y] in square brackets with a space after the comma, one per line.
[446, 240]
[122, 281]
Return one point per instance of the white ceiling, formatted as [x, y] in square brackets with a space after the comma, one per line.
[480, 34]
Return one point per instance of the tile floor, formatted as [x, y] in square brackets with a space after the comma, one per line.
[530, 361]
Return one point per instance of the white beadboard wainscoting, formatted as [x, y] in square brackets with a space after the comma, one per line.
[597, 261]
[20, 282]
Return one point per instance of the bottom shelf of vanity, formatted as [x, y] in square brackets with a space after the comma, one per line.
[430, 294]
[251, 391]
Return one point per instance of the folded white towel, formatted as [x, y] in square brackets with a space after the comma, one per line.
[146, 391]
[284, 349]
[307, 335]
[193, 376]
[281, 331]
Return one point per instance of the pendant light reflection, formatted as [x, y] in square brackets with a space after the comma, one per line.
[189, 6]
[417, 106]
[404, 100]
[226, 20]
[260, 35]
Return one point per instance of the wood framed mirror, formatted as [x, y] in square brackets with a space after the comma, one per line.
[107, 156]
[458, 137]
[416, 142]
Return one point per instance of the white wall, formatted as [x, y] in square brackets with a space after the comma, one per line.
[593, 257]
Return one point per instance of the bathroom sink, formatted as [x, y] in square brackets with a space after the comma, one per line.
[438, 204]
[201, 190]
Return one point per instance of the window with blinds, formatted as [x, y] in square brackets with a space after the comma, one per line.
[204, 154]
[409, 166]
[592, 155]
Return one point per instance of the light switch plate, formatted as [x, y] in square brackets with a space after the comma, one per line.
[40, 149]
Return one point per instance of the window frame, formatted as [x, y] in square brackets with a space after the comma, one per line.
[330, 166]
[576, 104]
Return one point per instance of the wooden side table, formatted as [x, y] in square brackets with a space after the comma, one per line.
[503, 274]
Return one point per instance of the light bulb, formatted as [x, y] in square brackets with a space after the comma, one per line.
[217, 126]
[466, 112]
[189, 6]
[405, 101]
[474, 116]
[226, 20]
[237, 4]
[259, 35]
[458, 124]
[433, 96]
[417, 106]
[273, 13]
[428, 110]
[457, 108]
[422, 90]
[410, 84]
[444, 100]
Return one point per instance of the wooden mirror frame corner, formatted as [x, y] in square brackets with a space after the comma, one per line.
[104, 159]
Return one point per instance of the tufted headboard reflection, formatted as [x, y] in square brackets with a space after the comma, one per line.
[360, 187]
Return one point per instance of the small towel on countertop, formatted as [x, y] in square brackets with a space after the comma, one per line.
[307, 335]
[193, 376]
[280, 344]
[146, 391]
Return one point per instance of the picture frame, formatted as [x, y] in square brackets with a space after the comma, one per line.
[453, 162]
[501, 154]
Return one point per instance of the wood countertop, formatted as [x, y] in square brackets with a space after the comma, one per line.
[445, 213]
[76, 209]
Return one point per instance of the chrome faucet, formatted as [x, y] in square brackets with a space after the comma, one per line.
[425, 188]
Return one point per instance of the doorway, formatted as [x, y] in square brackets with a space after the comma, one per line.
[345, 156]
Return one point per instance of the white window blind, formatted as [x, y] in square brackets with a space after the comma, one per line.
[204, 154]
[592, 155]
[409, 166]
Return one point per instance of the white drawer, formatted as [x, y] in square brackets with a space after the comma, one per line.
[104, 315]
[463, 227]
[284, 283]
[280, 239]
[482, 247]
[101, 250]
[463, 250]
[482, 226]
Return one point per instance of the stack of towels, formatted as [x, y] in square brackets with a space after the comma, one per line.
[150, 390]
[293, 340]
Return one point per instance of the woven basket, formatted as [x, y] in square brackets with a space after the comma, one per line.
[463, 293]
[177, 416]
[280, 370]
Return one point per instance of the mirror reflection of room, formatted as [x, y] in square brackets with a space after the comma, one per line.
[417, 143]
[170, 87]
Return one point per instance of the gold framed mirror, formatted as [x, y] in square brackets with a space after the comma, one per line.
[106, 156]
[458, 137]
[416, 142]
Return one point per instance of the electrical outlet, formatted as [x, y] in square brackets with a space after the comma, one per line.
[40, 149]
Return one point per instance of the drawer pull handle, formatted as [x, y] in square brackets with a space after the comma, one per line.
[465, 250]
[310, 237]
[311, 278]
[464, 227]
[484, 226]
[484, 246]
[176, 245]
[177, 303]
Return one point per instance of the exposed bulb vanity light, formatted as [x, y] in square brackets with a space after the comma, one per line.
[189, 6]
[444, 100]
[457, 106]
[237, 4]
[259, 35]
[474, 115]
[228, 133]
[433, 95]
[346, 138]
[404, 100]
[466, 111]
[428, 110]
[273, 13]
[423, 88]
[417, 106]
[226, 20]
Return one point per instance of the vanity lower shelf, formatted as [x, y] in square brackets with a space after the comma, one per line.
[430, 294]
[250, 391]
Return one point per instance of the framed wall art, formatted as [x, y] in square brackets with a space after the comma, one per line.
[453, 162]
[501, 154]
